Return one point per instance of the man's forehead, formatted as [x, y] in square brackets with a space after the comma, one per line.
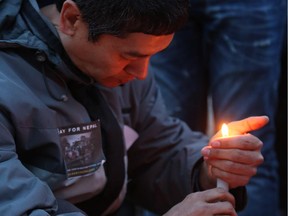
[147, 41]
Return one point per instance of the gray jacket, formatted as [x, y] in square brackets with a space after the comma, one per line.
[36, 101]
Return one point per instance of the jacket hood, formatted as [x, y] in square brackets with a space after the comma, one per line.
[8, 13]
[22, 25]
[18, 28]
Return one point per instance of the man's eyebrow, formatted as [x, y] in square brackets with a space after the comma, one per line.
[137, 54]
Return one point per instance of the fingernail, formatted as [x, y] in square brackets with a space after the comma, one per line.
[206, 152]
[215, 144]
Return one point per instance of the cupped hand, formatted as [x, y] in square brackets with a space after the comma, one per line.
[235, 158]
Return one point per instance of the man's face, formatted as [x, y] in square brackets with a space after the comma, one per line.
[113, 61]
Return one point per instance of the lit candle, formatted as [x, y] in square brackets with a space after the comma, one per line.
[225, 130]
[220, 182]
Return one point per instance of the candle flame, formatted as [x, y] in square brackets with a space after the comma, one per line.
[225, 130]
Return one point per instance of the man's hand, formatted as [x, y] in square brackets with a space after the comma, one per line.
[235, 158]
[206, 203]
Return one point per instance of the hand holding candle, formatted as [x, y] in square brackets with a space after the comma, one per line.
[234, 158]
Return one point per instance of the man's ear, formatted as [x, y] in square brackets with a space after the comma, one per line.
[69, 16]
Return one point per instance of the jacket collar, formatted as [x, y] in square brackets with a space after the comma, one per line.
[34, 31]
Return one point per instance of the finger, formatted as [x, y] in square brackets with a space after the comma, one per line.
[248, 124]
[218, 195]
[232, 179]
[233, 155]
[223, 208]
[244, 142]
[231, 168]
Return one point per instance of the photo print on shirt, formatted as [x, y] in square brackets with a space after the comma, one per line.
[82, 148]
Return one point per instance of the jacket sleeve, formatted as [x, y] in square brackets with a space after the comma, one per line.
[21, 192]
[164, 159]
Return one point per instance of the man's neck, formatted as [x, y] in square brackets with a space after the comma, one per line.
[51, 12]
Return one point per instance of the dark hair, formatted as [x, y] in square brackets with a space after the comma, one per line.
[120, 17]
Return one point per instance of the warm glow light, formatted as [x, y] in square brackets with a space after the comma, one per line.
[225, 130]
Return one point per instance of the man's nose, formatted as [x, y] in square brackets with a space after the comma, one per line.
[138, 68]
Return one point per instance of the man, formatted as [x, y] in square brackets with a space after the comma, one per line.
[73, 133]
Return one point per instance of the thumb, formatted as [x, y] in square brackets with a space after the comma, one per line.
[248, 124]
